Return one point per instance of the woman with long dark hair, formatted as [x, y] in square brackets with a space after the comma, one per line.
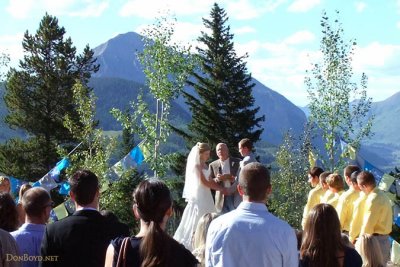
[152, 246]
[322, 243]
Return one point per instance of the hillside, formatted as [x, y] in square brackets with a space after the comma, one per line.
[117, 59]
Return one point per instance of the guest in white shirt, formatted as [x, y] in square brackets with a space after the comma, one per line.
[250, 235]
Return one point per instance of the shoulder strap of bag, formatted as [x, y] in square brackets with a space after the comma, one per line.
[121, 262]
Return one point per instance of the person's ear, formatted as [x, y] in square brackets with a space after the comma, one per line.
[269, 190]
[240, 190]
[135, 211]
[169, 212]
[72, 195]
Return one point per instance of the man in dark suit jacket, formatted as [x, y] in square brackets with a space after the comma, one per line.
[82, 238]
[224, 170]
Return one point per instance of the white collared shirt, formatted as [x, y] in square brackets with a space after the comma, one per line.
[250, 236]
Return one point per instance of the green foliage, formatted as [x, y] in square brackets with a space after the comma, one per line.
[338, 106]
[4, 61]
[166, 66]
[96, 149]
[289, 182]
[117, 197]
[38, 96]
[222, 108]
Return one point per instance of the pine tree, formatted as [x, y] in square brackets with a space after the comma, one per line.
[39, 95]
[223, 109]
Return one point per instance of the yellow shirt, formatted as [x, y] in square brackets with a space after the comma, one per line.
[327, 196]
[378, 214]
[345, 207]
[314, 198]
[335, 199]
[373, 215]
[357, 219]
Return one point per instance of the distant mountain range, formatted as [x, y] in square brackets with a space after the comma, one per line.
[117, 58]
[120, 79]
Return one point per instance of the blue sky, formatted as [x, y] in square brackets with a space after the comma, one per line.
[281, 36]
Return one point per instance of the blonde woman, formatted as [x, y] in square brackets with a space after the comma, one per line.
[369, 249]
[196, 193]
[199, 241]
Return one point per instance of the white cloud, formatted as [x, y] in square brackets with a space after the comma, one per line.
[12, 45]
[360, 6]
[91, 10]
[243, 30]
[303, 5]
[300, 37]
[22, 9]
[150, 9]
[247, 9]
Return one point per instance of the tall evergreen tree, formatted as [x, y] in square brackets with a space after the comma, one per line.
[39, 95]
[222, 108]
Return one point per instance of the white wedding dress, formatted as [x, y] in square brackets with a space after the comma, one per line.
[196, 207]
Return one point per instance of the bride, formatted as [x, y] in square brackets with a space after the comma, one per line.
[196, 193]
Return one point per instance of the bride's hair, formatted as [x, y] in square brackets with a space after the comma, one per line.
[153, 199]
[203, 147]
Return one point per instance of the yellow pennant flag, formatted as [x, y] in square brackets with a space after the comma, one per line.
[145, 150]
[61, 211]
[395, 254]
[352, 152]
[311, 159]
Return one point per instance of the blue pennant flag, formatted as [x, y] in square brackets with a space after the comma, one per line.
[16, 184]
[137, 155]
[64, 188]
[62, 164]
[133, 159]
[378, 174]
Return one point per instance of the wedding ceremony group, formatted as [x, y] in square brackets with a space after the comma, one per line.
[226, 221]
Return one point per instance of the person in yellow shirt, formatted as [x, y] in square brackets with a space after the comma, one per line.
[336, 186]
[346, 200]
[373, 213]
[314, 196]
[323, 179]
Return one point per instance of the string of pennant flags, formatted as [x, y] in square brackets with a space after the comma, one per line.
[51, 179]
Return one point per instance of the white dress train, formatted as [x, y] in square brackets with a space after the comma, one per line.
[194, 209]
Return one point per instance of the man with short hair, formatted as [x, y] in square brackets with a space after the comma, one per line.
[37, 205]
[372, 213]
[245, 147]
[346, 200]
[250, 235]
[82, 238]
[315, 194]
[223, 170]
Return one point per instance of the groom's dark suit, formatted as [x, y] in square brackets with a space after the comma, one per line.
[80, 239]
[215, 168]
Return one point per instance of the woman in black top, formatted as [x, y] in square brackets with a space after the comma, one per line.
[322, 244]
[151, 246]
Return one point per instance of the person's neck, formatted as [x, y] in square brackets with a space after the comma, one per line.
[34, 220]
[144, 228]
[93, 205]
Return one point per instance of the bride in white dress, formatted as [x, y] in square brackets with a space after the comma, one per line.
[196, 193]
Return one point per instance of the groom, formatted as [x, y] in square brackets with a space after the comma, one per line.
[223, 170]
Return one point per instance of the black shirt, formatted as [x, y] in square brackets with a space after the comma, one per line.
[180, 256]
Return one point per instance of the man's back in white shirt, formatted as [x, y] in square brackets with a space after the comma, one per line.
[251, 236]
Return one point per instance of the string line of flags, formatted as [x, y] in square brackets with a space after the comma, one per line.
[51, 179]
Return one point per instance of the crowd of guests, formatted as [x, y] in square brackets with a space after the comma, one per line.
[340, 228]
